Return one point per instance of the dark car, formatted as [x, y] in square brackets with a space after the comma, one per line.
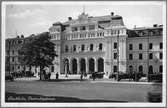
[9, 77]
[95, 75]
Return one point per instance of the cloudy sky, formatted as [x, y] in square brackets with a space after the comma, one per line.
[27, 18]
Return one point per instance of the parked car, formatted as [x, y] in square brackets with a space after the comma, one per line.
[134, 76]
[155, 77]
[97, 75]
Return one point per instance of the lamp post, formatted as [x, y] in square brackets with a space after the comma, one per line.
[118, 56]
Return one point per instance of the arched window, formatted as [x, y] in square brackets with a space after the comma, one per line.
[52, 69]
[140, 69]
[115, 68]
[100, 46]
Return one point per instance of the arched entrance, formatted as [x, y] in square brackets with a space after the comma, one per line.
[83, 65]
[140, 69]
[130, 69]
[100, 65]
[150, 70]
[74, 66]
[91, 65]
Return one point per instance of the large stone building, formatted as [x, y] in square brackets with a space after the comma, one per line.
[102, 44]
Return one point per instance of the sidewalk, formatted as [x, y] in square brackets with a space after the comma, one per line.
[76, 78]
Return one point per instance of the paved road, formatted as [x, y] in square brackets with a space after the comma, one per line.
[85, 90]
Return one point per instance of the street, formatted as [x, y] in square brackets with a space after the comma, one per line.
[88, 90]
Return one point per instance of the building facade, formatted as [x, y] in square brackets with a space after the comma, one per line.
[102, 44]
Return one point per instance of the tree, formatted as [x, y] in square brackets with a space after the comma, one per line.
[39, 52]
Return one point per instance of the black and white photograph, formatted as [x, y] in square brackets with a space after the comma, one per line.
[83, 54]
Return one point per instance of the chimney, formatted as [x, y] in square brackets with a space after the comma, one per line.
[112, 13]
[69, 18]
[155, 25]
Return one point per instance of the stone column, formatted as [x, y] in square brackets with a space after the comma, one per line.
[78, 66]
[70, 65]
[96, 65]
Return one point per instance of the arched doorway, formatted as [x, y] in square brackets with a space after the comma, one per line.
[83, 65]
[74, 66]
[130, 69]
[91, 65]
[100, 65]
[66, 66]
[150, 70]
[140, 69]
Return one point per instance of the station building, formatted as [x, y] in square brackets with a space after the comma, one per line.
[102, 44]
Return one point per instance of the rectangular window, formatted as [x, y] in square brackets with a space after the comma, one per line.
[115, 68]
[130, 47]
[12, 59]
[115, 45]
[91, 27]
[82, 28]
[160, 55]
[74, 29]
[74, 48]
[82, 47]
[130, 56]
[115, 55]
[150, 56]
[150, 46]
[161, 45]
[140, 56]
[91, 47]
[13, 52]
[140, 46]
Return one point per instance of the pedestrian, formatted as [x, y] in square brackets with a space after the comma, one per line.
[81, 77]
[49, 74]
[57, 75]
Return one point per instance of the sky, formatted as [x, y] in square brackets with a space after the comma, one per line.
[27, 18]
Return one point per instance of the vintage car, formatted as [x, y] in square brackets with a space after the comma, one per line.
[95, 75]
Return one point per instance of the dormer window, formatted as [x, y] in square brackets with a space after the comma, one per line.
[91, 27]
[82, 28]
[74, 29]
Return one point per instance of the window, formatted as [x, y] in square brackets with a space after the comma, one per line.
[115, 55]
[82, 28]
[150, 69]
[115, 69]
[160, 69]
[100, 46]
[91, 47]
[115, 45]
[140, 69]
[150, 56]
[140, 56]
[140, 46]
[160, 55]
[74, 29]
[74, 48]
[82, 47]
[13, 52]
[66, 48]
[18, 67]
[52, 69]
[12, 59]
[130, 47]
[161, 45]
[150, 46]
[91, 27]
[130, 56]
